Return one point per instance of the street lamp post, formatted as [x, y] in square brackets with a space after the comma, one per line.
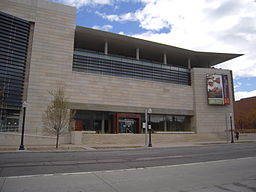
[146, 127]
[23, 126]
[232, 137]
[149, 127]
[147, 111]
[149, 130]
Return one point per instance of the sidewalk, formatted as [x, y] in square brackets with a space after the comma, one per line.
[71, 147]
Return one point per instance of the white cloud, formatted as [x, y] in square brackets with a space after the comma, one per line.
[81, 3]
[117, 18]
[103, 28]
[244, 94]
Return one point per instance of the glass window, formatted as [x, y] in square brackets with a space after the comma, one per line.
[96, 121]
[111, 65]
[169, 123]
[9, 120]
[157, 122]
[14, 33]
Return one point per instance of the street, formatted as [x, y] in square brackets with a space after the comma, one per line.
[226, 167]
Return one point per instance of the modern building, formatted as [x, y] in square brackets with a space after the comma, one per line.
[109, 79]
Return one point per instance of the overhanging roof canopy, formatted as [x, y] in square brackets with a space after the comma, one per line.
[91, 39]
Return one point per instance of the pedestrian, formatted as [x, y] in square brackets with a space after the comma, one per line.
[237, 135]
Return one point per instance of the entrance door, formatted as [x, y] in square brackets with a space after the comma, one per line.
[127, 125]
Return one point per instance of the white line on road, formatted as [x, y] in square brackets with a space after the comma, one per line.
[155, 158]
[26, 176]
[130, 169]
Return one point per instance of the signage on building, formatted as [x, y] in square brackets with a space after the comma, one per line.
[217, 89]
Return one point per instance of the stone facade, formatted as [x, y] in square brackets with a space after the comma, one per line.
[51, 51]
[210, 118]
[131, 95]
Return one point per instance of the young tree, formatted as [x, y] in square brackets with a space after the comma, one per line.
[57, 117]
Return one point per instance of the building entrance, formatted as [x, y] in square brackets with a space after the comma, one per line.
[107, 122]
[127, 125]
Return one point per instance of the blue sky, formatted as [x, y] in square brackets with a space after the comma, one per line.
[92, 12]
[97, 20]
[204, 25]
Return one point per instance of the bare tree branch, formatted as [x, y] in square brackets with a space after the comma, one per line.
[57, 117]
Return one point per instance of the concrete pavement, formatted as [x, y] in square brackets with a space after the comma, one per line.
[170, 142]
[218, 176]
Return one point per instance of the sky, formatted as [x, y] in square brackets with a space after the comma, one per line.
[227, 26]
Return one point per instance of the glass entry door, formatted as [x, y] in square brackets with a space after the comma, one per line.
[127, 125]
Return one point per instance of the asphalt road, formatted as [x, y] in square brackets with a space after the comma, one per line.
[235, 175]
[34, 163]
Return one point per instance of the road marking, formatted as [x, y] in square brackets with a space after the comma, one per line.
[75, 173]
[155, 158]
[203, 162]
[27, 176]
[130, 169]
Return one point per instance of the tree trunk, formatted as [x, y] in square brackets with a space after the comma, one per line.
[58, 129]
[57, 140]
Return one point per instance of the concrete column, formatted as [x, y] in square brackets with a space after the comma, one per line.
[138, 54]
[106, 48]
[76, 137]
[189, 64]
[165, 59]
[109, 126]
[165, 125]
[103, 124]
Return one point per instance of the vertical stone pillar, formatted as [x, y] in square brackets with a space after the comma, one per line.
[189, 64]
[165, 59]
[103, 124]
[106, 48]
[138, 54]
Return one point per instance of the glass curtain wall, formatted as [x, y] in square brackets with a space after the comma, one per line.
[93, 121]
[14, 37]
[170, 123]
[103, 122]
[90, 62]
